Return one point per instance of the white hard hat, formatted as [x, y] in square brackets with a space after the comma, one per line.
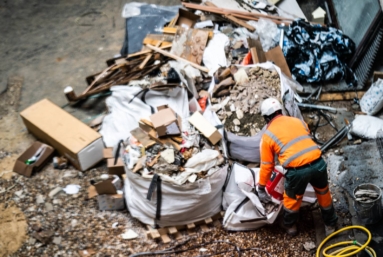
[269, 106]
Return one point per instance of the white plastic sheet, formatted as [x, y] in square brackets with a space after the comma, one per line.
[123, 116]
[366, 126]
[214, 55]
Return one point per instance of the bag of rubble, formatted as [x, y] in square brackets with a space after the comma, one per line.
[237, 103]
[155, 201]
[244, 210]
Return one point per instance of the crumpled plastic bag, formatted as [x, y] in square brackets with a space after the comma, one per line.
[372, 101]
[269, 33]
[366, 126]
[203, 161]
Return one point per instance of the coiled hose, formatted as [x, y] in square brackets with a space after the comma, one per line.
[353, 247]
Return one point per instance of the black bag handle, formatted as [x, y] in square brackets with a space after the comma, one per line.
[156, 182]
[117, 153]
[143, 92]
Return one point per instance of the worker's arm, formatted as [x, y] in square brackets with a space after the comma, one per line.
[267, 161]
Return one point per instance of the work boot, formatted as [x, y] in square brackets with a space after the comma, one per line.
[329, 230]
[290, 230]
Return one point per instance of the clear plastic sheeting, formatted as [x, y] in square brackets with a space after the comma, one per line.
[143, 19]
[269, 34]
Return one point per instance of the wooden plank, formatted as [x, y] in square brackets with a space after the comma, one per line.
[147, 51]
[233, 12]
[204, 69]
[208, 220]
[240, 22]
[169, 30]
[341, 96]
[256, 51]
[165, 239]
[172, 230]
[147, 58]
[190, 226]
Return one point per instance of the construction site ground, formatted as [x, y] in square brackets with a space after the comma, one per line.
[45, 47]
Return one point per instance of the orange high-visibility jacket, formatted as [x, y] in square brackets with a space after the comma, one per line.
[288, 138]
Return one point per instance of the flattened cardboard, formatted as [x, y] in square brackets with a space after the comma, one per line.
[80, 144]
[92, 192]
[276, 55]
[142, 137]
[186, 19]
[204, 126]
[111, 202]
[105, 187]
[115, 169]
[107, 153]
[164, 118]
[26, 170]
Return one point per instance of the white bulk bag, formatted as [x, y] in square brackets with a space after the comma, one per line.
[372, 101]
[126, 107]
[179, 204]
[246, 212]
[234, 146]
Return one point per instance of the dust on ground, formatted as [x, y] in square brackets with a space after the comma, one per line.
[13, 229]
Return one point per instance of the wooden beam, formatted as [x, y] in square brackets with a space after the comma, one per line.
[224, 11]
[147, 58]
[175, 57]
[341, 96]
[147, 51]
[240, 22]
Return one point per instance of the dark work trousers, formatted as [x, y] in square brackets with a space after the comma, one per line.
[296, 182]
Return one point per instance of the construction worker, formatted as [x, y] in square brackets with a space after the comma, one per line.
[289, 139]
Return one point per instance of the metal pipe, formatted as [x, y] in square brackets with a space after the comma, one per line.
[319, 107]
[337, 137]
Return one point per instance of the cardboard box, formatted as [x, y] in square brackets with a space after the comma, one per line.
[166, 122]
[105, 187]
[111, 202]
[186, 19]
[276, 56]
[45, 154]
[205, 127]
[115, 169]
[80, 144]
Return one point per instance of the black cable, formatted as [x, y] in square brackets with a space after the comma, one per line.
[172, 250]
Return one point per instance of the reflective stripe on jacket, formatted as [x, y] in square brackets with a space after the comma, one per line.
[288, 138]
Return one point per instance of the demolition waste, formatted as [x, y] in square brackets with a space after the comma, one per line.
[180, 137]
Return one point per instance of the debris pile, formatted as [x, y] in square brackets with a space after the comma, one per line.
[366, 195]
[240, 111]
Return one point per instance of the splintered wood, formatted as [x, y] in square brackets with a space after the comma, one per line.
[175, 231]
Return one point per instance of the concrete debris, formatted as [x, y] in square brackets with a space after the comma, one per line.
[54, 192]
[168, 155]
[309, 246]
[57, 240]
[130, 234]
[48, 207]
[40, 199]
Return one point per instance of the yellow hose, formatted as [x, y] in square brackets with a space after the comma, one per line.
[353, 246]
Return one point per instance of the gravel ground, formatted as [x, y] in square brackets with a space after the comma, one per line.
[67, 224]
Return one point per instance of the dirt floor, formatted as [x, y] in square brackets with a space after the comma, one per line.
[47, 46]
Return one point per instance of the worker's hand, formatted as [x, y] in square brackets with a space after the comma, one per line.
[262, 195]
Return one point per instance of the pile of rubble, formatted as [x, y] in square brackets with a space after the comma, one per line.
[240, 111]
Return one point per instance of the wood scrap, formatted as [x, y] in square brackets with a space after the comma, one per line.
[147, 58]
[224, 84]
[256, 51]
[175, 57]
[240, 22]
[341, 96]
[142, 137]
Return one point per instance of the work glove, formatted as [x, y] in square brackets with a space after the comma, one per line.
[262, 195]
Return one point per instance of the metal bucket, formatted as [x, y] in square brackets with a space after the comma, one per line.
[369, 213]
